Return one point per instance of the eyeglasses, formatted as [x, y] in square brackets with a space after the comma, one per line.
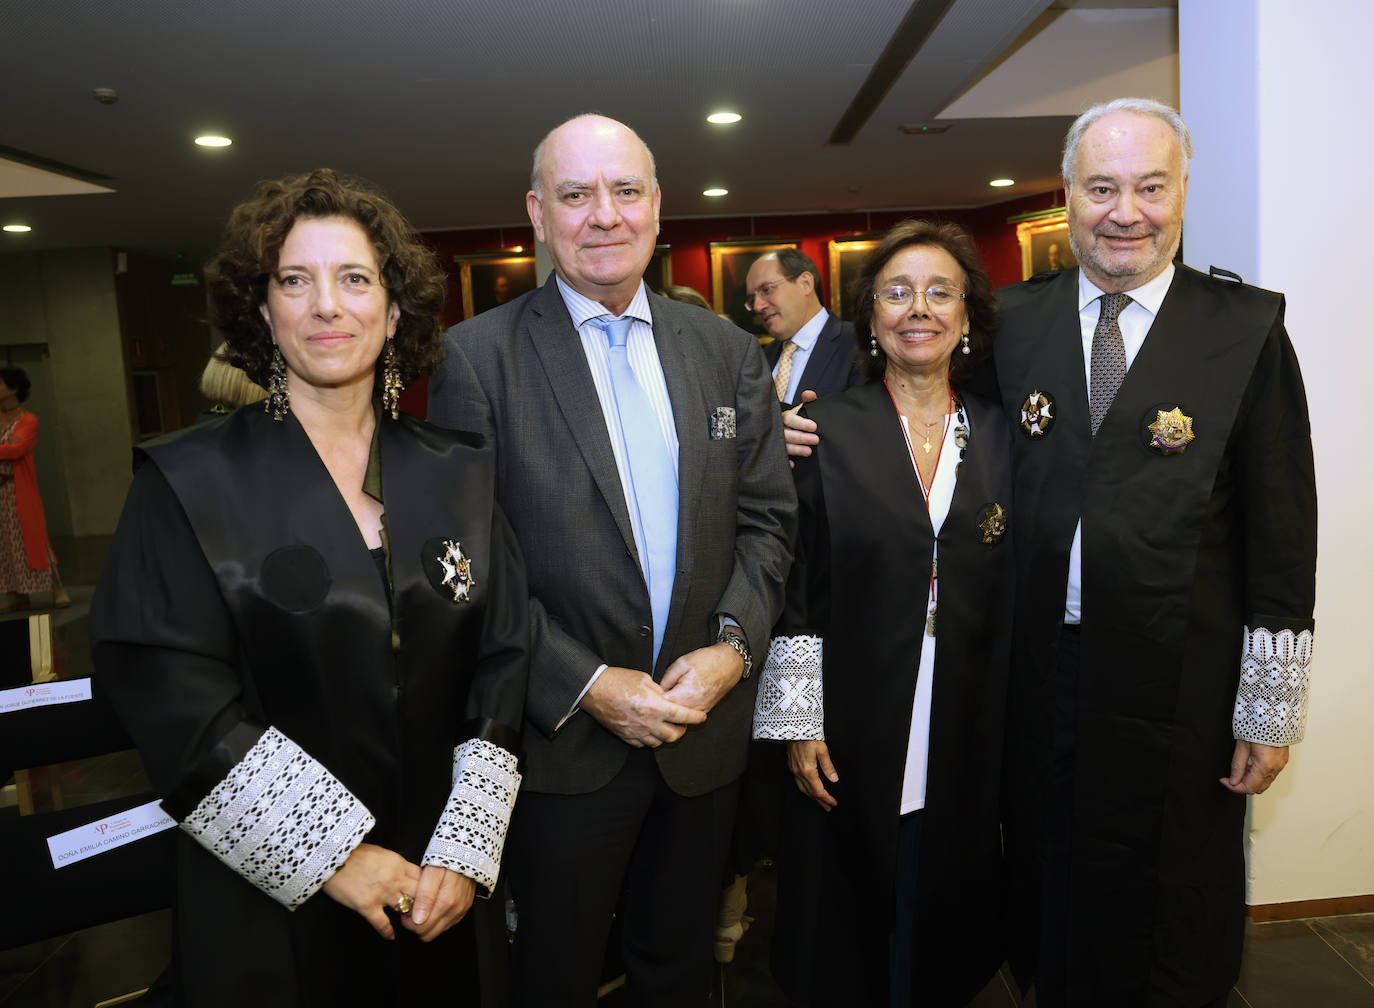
[765, 290]
[901, 296]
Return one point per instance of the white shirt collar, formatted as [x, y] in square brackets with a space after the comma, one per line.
[810, 332]
[583, 309]
[1149, 295]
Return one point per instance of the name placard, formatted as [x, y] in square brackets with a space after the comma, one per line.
[106, 834]
[44, 694]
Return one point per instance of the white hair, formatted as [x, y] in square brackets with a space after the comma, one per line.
[1138, 106]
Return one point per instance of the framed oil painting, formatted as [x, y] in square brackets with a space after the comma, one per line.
[1044, 241]
[846, 259]
[491, 279]
[730, 262]
[659, 273]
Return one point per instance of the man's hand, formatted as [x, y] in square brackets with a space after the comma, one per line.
[799, 432]
[700, 678]
[442, 899]
[808, 761]
[632, 706]
[1254, 766]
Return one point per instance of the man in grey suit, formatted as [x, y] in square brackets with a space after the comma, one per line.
[812, 350]
[640, 460]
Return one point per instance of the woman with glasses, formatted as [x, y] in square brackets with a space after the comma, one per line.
[887, 677]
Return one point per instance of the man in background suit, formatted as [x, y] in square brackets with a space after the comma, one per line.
[1165, 516]
[812, 350]
[640, 461]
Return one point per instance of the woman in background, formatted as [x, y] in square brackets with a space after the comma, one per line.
[27, 563]
[226, 386]
[313, 623]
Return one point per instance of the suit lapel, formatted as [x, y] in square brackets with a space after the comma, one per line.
[689, 414]
[689, 417]
[821, 354]
[559, 348]
[1058, 352]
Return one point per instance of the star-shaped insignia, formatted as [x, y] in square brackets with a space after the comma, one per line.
[457, 571]
[1172, 431]
[994, 524]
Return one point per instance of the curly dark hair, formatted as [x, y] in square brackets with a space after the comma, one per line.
[17, 381]
[984, 313]
[236, 278]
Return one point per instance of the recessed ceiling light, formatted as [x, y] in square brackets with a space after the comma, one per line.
[17, 228]
[213, 141]
[715, 192]
[1002, 183]
[723, 118]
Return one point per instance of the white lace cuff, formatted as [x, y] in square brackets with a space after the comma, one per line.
[472, 830]
[281, 820]
[1271, 703]
[790, 700]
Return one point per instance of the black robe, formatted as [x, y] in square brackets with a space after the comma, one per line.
[1181, 552]
[239, 594]
[860, 582]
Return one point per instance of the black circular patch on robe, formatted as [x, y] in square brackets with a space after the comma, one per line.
[295, 578]
[1147, 435]
[1037, 414]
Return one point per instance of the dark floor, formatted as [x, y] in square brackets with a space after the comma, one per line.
[1324, 962]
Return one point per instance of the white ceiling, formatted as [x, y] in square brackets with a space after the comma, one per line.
[440, 102]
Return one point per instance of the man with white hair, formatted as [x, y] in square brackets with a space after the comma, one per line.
[1165, 523]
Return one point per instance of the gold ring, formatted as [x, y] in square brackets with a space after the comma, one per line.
[404, 903]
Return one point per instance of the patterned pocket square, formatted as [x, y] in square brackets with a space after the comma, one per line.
[722, 423]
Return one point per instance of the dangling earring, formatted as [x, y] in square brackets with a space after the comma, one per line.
[873, 346]
[391, 379]
[278, 401]
[966, 347]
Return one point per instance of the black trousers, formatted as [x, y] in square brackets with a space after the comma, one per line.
[572, 856]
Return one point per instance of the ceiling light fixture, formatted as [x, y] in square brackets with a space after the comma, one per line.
[723, 118]
[1002, 183]
[17, 228]
[717, 191]
[213, 141]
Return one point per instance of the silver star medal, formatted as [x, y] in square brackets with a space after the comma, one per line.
[457, 571]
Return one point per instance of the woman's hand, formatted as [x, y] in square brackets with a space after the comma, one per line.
[442, 899]
[372, 878]
[809, 761]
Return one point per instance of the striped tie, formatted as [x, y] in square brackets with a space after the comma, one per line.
[653, 493]
[783, 377]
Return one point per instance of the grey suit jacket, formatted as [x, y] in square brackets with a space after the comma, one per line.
[518, 374]
[831, 366]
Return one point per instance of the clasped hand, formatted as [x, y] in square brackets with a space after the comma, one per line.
[646, 714]
[374, 878]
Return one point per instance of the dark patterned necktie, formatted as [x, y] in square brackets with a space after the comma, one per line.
[1108, 367]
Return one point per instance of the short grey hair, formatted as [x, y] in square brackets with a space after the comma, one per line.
[536, 180]
[1137, 106]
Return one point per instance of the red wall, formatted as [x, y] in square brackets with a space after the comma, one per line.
[691, 240]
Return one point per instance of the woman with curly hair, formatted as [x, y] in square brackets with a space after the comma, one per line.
[313, 624]
[887, 671]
